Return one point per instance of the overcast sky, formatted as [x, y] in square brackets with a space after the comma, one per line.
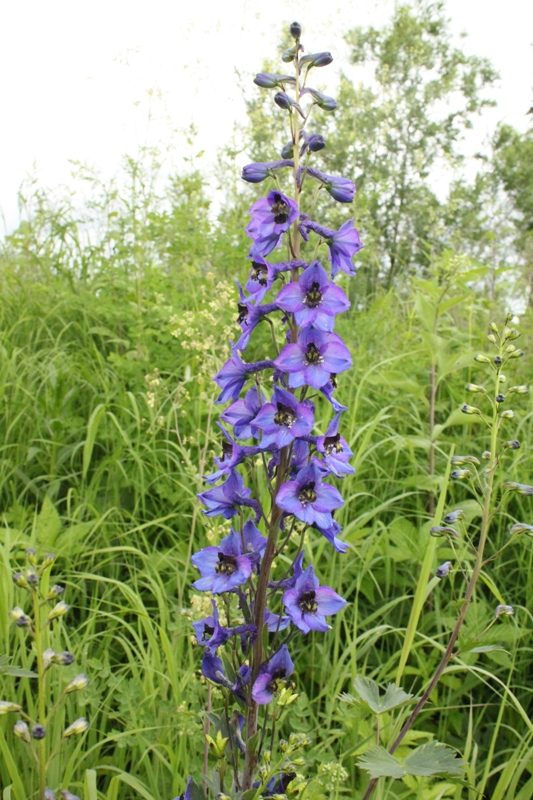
[76, 76]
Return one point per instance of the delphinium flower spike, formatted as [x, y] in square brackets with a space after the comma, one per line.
[272, 418]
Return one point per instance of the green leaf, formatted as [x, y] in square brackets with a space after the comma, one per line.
[434, 758]
[92, 430]
[379, 763]
[18, 672]
[369, 694]
[48, 524]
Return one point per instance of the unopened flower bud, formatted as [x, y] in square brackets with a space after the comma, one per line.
[20, 580]
[316, 142]
[316, 60]
[473, 387]
[508, 414]
[485, 454]
[497, 360]
[500, 398]
[491, 337]
[453, 516]
[460, 474]
[521, 527]
[18, 616]
[59, 610]
[218, 745]
[267, 80]
[481, 359]
[444, 570]
[6, 707]
[48, 560]
[55, 591]
[49, 794]
[38, 731]
[441, 530]
[295, 30]
[494, 327]
[64, 659]
[501, 378]
[510, 317]
[78, 726]
[518, 390]
[504, 611]
[21, 730]
[31, 555]
[511, 333]
[512, 444]
[283, 100]
[459, 461]
[299, 762]
[510, 348]
[77, 684]
[288, 55]
[466, 409]
[516, 354]
[520, 488]
[31, 577]
[287, 697]
[288, 150]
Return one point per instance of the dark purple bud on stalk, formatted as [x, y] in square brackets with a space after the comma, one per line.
[316, 60]
[31, 577]
[444, 570]
[283, 100]
[55, 591]
[288, 150]
[500, 398]
[38, 731]
[512, 444]
[20, 618]
[64, 659]
[255, 173]
[295, 30]
[497, 360]
[267, 80]
[316, 142]
[323, 101]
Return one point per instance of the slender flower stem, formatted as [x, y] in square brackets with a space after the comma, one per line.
[478, 565]
[41, 692]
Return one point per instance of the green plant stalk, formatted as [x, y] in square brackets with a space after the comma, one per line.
[478, 565]
[41, 696]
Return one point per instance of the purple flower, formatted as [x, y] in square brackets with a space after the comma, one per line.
[241, 413]
[313, 358]
[213, 670]
[271, 675]
[313, 299]
[330, 533]
[226, 498]
[309, 499]
[234, 374]
[308, 603]
[232, 455]
[335, 450]
[284, 419]
[255, 173]
[274, 622]
[321, 100]
[297, 570]
[271, 217]
[316, 60]
[341, 189]
[210, 633]
[262, 276]
[343, 244]
[249, 313]
[328, 389]
[222, 568]
[187, 794]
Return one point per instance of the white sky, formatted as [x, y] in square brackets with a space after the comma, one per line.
[76, 75]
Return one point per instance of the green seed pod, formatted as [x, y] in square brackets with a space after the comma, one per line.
[78, 727]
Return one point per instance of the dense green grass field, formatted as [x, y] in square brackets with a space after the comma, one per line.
[108, 424]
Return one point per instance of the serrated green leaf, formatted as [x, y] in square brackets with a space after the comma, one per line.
[379, 763]
[369, 693]
[433, 758]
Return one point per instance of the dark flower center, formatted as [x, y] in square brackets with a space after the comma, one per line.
[333, 379]
[332, 443]
[313, 298]
[284, 416]
[227, 449]
[307, 602]
[280, 209]
[207, 633]
[312, 355]
[227, 565]
[307, 493]
[242, 308]
[277, 676]
[259, 273]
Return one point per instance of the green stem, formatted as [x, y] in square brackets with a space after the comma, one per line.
[41, 693]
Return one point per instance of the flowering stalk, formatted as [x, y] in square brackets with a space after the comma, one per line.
[47, 610]
[257, 614]
[482, 486]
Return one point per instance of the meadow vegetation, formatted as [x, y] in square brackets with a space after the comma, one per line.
[113, 322]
